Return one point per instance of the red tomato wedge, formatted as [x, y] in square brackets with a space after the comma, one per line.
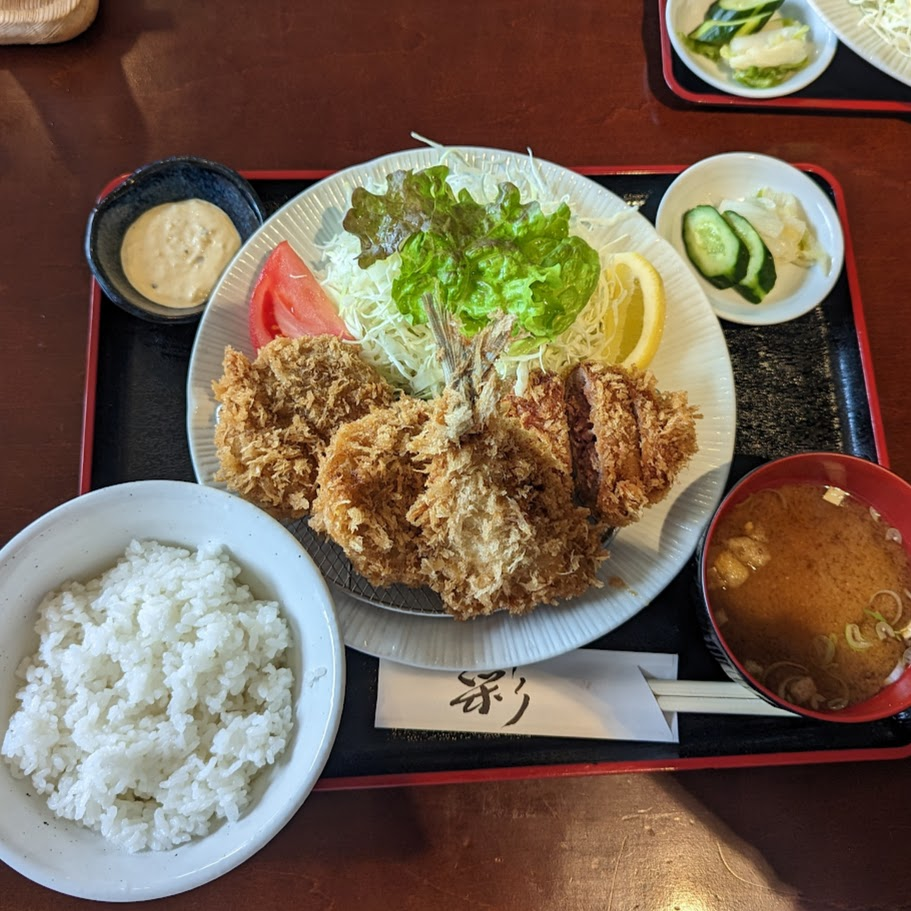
[288, 300]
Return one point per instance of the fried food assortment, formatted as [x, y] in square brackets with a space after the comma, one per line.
[279, 411]
[494, 500]
[456, 496]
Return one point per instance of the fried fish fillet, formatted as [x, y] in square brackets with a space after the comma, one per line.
[499, 526]
[629, 440]
[279, 411]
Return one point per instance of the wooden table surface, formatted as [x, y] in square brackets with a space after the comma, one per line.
[280, 84]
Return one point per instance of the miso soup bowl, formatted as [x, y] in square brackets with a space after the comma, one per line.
[869, 483]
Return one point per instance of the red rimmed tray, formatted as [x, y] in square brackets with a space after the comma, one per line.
[817, 371]
[849, 84]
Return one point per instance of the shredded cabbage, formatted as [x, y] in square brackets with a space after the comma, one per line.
[406, 353]
[890, 20]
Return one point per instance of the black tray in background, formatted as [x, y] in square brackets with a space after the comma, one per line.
[849, 83]
[800, 386]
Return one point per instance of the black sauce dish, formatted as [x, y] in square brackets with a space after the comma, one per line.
[164, 181]
[869, 483]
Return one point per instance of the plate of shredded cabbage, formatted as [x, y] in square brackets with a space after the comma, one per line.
[878, 30]
[692, 356]
[759, 52]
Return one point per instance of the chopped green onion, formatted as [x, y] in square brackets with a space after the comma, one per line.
[898, 604]
[854, 637]
[824, 649]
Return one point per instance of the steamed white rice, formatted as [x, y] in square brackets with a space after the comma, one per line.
[158, 692]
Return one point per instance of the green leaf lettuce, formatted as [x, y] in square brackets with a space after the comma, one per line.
[475, 258]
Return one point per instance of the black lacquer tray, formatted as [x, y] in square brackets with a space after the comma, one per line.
[803, 385]
[849, 84]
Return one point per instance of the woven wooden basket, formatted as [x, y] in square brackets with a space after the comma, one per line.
[44, 21]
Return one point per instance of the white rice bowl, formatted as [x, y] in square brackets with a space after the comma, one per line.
[285, 621]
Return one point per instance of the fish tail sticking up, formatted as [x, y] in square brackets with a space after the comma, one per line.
[472, 386]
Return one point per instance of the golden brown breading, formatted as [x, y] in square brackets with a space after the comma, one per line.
[457, 496]
[499, 527]
[279, 411]
[540, 409]
[630, 440]
[366, 484]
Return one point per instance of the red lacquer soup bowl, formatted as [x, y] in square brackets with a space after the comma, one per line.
[888, 498]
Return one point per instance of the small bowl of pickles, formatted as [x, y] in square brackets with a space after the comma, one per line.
[751, 49]
[762, 236]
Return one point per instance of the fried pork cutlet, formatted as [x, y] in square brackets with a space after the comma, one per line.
[279, 411]
[367, 482]
[629, 440]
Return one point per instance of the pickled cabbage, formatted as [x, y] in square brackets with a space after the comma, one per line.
[783, 225]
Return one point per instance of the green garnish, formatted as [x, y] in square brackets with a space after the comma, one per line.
[766, 77]
[475, 258]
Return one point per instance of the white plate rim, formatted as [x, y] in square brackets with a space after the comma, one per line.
[762, 170]
[844, 20]
[669, 532]
[708, 71]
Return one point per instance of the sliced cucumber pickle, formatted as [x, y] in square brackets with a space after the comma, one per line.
[726, 19]
[714, 247]
[761, 274]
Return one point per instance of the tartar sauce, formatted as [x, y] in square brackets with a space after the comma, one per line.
[174, 253]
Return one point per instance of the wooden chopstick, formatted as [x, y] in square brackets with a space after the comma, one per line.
[713, 697]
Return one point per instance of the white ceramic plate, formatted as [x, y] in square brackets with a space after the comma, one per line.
[80, 539]
[682, 16]
[646, 556]
[736, 175]
[846, 20]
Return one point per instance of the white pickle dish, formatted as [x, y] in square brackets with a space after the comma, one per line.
[761, 67]
[779, 193]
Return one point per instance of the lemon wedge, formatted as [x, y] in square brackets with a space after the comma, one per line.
[636, 291]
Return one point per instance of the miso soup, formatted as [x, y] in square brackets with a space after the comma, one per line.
[810, 590]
